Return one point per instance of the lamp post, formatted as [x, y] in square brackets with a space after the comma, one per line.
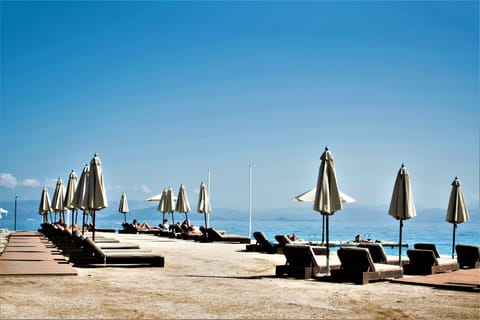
[15, 215]
[249, 200]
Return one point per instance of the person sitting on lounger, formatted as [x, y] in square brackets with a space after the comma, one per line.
[164, 225]
[186, 225]
[358, 240]
[190, 229]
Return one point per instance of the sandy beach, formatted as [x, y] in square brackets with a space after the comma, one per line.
[219, 281]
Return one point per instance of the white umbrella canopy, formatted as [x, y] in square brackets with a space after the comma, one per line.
[71, 188]
[204, 205]
[58, 201]
[182, 204]
[155, 198]
[309, 196]
[402, 206]
[457, 211]
[123, 206]
[96, 198]
[327, 197]
[45, 206]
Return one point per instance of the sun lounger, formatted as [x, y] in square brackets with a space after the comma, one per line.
[282, 240]
[357, 266]
[94, 255]
[262, 244]
[424, 261]
[376, 251]
[300, 264]
[214, 235]
[427, 246]
[468, 256]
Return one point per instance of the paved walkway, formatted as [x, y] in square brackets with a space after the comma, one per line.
[465, 280]
[30, 253]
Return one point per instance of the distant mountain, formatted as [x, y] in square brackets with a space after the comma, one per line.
[147, 211]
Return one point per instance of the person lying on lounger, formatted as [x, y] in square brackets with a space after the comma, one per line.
[142, 227]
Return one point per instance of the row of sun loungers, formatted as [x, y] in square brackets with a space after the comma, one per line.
[209, 235]
[368, 262]
[83, 251]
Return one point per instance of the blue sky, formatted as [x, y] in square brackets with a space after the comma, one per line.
[164, 91]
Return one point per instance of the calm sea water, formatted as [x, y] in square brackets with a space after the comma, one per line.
[432, 229]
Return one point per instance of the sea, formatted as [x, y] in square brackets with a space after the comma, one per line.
[374, 223]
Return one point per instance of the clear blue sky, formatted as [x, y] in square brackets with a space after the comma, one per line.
[164, 91]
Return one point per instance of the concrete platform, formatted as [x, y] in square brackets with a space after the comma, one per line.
[465, 280]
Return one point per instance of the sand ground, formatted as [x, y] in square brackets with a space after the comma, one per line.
[219, 281]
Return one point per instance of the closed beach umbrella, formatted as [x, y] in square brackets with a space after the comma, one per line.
[327, 197]
[162, 203]
[123, 207]
[457, 210]
[204, 203]
[182, 204]
[96, 198]
[79, 198]
[58, 201]
[71, 188]
[169, 203]
[401, 205]
[45, 206]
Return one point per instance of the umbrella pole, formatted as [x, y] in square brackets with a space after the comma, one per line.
[83, 224]
[206, 227]
[93, 223]
[125, 218]
[400, 245]
[328, 248]
[453, 242]
[73, 218]
[323, 229]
